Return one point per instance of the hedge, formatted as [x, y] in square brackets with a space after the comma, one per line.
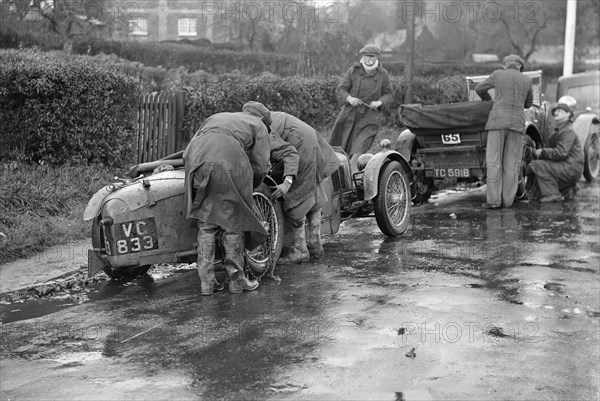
[175, 55]
[65, 110]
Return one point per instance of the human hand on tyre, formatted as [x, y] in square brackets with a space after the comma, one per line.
[281, 190]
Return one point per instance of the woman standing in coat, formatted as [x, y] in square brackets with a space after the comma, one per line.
[365, 90]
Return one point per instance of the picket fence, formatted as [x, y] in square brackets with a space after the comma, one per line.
[160, 121]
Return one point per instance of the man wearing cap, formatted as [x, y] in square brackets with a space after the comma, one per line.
[365, 89]
[506, 125]
[559, 166]
[317, 161]
[224, 161]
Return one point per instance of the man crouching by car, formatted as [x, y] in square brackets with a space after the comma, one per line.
[559, 166]
[224, 161]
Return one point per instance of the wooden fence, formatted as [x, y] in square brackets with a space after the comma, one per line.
[160, 120]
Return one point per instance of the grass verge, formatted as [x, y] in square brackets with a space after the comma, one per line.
[42, 206]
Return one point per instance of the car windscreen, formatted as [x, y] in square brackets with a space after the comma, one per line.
[586, 96]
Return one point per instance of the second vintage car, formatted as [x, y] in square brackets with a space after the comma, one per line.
[449, 140]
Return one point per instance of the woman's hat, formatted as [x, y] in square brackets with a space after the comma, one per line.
[370, 50]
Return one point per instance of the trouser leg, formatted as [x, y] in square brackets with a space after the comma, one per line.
[511, 166]
[233, 244]
[493, 162]
[206, 257]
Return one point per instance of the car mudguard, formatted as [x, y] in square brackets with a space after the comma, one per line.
[582, 125]
[373, 168]
[94, 206]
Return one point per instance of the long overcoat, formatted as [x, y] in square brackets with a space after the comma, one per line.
[317, 158]
[356, 126]
[560, 164]
[513, 94]
[224, 161]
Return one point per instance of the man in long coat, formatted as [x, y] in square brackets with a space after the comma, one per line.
[559, 165]
[224, 161]
[365, 90]
[505, 126]
[317, 161]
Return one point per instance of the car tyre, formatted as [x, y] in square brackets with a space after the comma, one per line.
[269, 212]
[393, 201]
[591, 164]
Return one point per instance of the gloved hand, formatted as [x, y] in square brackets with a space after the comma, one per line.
[375, 104]
[538, 153]
[280, 190]
[354, 101]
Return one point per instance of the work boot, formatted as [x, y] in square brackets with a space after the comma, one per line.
[551, 198]
[571, 192]
[313, 243]
[297, 252]
[233, 243]
[206, 266]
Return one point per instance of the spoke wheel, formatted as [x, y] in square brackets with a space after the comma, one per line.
[270, 215]
[393, 201]
[591, 151]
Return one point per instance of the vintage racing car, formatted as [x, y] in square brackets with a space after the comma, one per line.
[141, 220]
[449, 140]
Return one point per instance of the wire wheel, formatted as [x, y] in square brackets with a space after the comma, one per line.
[393, 201]
[270, 216]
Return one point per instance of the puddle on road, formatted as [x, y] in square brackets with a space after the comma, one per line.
[53, 296]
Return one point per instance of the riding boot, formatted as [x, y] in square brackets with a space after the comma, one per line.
[206, 267]
[297, 252]
[313, 243]
[233, 243]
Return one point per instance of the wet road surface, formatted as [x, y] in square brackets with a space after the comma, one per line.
[467, 304]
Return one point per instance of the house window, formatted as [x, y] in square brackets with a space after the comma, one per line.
[138, 26]
[187, 27]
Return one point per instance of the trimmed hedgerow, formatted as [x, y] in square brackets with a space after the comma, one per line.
[63, 110]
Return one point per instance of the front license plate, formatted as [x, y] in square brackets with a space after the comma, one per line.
[135, 236]
[451, 172]
[450, 139]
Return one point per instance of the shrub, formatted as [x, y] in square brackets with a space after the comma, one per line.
[63, 110]
[312, 100]
[193, 58]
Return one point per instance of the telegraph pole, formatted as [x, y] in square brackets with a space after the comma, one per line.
[410, 62]
[570, 37]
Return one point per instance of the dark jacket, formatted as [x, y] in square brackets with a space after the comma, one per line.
[375, 85]
[224, 161]
[317, 158]
[512, 94]
[563, 145]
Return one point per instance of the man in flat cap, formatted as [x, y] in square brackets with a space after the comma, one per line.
[558, 166]
[317, 161]
[224, 161]
[365, 90]
[506, 125]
